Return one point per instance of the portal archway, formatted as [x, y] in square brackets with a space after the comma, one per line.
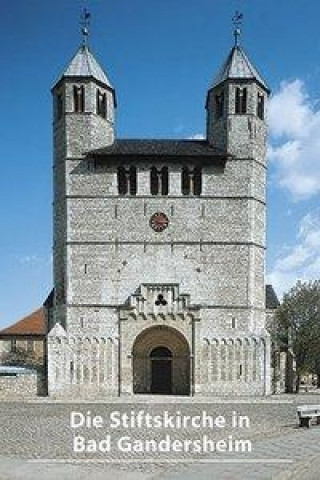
[161, 362]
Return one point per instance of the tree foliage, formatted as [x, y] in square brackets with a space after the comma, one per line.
[298, 318]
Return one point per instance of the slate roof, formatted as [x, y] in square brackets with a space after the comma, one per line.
[34, 324]
[272, 301]
[238, 66]
[48, 303]
[84, 64]
[154, 148]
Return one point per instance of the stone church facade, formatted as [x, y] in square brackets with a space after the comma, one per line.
[159, 245]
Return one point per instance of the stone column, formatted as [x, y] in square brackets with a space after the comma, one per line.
[195, 360]
[231, 361]
[250, 361]
[105, 363]
[227, 363]
[209, 366]
[98, 345]
[90, 363]
[266, 366]
[218, 360]
[241, 360]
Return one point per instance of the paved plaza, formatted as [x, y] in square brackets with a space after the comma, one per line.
[37, 441]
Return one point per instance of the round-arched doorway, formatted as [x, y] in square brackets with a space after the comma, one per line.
[161, 370]
[161, 362]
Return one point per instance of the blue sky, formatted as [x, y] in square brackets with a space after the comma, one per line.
[161, 56]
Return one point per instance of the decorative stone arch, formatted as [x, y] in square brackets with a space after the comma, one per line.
[173, 371]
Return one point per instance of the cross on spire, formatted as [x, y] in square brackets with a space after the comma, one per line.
[85, 23]
[237, 23]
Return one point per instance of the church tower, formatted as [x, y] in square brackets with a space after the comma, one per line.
[84, 104]
[235, 105]
[236, 123]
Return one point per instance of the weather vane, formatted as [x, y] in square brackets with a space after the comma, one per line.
[237, 23]
[85, 22]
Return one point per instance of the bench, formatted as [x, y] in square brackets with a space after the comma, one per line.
[308, 412]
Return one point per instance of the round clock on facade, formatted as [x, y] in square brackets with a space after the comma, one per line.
[159, 221]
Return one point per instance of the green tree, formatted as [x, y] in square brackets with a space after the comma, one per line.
[298, 318]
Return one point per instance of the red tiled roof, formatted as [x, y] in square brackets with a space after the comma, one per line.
[33, 324]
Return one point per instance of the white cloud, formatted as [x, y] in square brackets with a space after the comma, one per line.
[294, 125]
[302, 260]
[31, 259]
[197, 136]
[34, 259]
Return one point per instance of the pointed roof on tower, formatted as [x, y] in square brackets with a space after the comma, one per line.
[84, 64]
[238, 66]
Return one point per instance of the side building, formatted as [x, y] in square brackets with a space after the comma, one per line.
[24, 342]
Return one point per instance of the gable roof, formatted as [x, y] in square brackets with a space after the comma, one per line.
[238, 67]
[33, 324]
[159, 148]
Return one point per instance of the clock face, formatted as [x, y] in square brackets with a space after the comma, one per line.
[159, 221]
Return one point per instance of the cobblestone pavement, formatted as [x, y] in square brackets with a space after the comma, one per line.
[36, 441]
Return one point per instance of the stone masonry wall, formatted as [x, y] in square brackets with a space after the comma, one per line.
[19, 386]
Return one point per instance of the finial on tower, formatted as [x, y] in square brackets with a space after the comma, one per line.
[85, 22]
[237, 23]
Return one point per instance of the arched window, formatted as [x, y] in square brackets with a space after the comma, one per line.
[78, 98]
[154, 181]
[241, 101]
[59, 106]
[122, 181]
[219, 104]
[197, 181]
[159, 181]
[185, 181]
[164, 181]
[260, 106]
[101, 104]
[127, 180]
[133, 180]
[191, 181]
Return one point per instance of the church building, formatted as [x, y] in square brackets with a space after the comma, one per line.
[159, 245]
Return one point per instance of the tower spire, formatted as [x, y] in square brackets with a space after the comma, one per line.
[85, 23]
[237, 23]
